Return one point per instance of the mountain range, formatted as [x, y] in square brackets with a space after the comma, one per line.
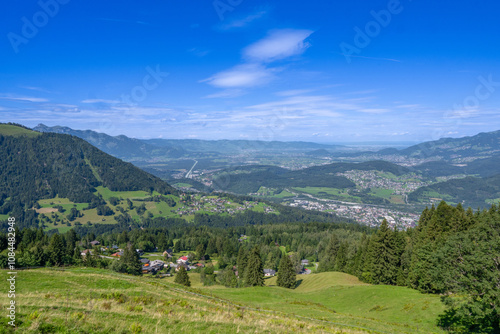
[477, 157]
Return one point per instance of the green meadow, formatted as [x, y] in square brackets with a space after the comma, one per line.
[341, 298]
[85, 300]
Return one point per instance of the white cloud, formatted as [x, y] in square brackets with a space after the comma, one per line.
[100, 101]
[293, 92]
[240, 23]
[374, 110]
[227, 93]
[22, 98]
[246, 75]
[279, 44]
[38, 89]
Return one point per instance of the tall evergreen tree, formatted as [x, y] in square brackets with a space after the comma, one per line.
[56, 250]
[286, 273]
[182, 277]
[327, 263]
[131, 261]
[341, 258]
[382, 258]
[254, 273]
[241, 261]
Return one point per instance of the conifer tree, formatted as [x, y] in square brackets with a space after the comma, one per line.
[254, 273]
[56, 250]
[327, 263]
[286, 273]
[131, 262]
[182, 277]
[341, 258]
[241, 261]
[382, 258]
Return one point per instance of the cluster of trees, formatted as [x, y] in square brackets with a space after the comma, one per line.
[250, 271]
[452, 252]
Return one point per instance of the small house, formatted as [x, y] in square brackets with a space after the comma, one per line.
[304, 262]
[269, 272]
[183, 259]
[159, 264]
[95, 243]
[182, 265]
[85, 252]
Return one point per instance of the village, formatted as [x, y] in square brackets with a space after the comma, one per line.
[215, 204]
[370, 215]
[167, 263]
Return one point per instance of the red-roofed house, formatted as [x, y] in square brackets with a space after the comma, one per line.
[183, 259]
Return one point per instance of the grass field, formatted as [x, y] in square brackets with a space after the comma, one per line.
[11, 130]
[107, 194]
[342, 298]
[86, 300]
[340, 194]
[153, 209]
[381, 192]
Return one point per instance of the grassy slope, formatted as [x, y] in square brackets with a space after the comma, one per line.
[157, 209]
[85, 300]
[11, 130]
[342, 298]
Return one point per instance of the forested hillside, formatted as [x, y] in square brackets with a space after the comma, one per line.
[248, 179]
[122, 147]
[34, 167]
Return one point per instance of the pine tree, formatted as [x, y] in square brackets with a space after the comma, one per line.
[286, 273]
[56, 250]
[341, 258]
[241, 261]
[382, 258]
[131, 262]
[254, 273]
[182, 277]
[327, 263]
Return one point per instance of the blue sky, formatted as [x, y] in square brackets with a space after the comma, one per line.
[323, 71]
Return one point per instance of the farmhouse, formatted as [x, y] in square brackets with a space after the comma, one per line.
[183, 259]
[85, 252]
[118, 254]
[182, 265]
[158, 264]
[269, 272]
[95, 243]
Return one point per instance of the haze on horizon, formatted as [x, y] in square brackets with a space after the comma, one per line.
[383, 71]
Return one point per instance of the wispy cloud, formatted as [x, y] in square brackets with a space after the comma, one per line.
[198, 52]
[10, 97]
[293, 92]
[372, 58]
[246, 75]
[256, 70]
[279, 44]
[226, 93]
[374, 110]
[38, 89]
[100, 101]
[243, 22]
[121, 21]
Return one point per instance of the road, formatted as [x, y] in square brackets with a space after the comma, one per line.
[188, 174]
